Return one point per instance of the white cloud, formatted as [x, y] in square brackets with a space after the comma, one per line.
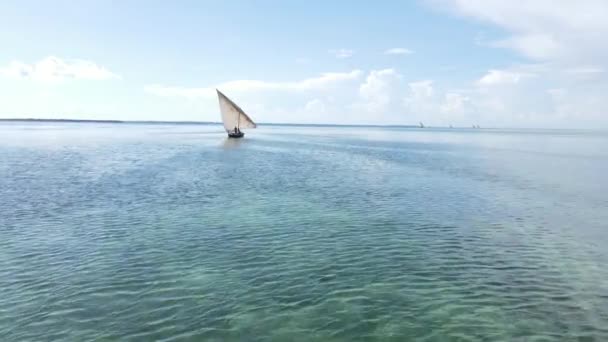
[516, 96]
[564, 43]
[420, 101]
[427, 102]
[566, 31]
[376, 91]
[398, 51]
[52, 70]
[454, 103]
[586, 70]
[381, 96]
[323, 81]
[500, 77]
[534, 45]
[421, 89]
[316, 106]
[342, 53]
[376, 82]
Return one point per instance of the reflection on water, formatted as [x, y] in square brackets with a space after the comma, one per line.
[154, 232]
[229, 143]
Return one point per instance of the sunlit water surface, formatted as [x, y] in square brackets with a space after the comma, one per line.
[171, 232]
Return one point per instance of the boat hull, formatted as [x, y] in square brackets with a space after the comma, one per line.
[236, 135]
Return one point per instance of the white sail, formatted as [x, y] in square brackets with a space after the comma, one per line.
[232, 115]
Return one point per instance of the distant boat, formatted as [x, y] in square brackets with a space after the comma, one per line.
[233, 117]
[421, 125]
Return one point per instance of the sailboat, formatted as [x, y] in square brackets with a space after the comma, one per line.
[421, 125]
[233, 117]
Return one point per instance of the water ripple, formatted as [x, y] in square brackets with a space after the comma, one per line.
[294, 237]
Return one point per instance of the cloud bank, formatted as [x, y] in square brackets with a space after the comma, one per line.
[559, 80]
[53, 69]
[564, 44]
[372, 97]
[321, 82]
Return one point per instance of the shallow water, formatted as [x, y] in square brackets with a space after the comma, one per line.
[170, 232]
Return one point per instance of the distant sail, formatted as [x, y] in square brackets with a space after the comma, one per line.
[232, 115]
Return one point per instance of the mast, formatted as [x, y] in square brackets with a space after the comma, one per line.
[232, 114]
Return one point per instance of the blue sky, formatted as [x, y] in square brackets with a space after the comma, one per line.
[460, 62]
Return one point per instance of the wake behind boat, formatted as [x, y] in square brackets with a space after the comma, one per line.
[233, 117]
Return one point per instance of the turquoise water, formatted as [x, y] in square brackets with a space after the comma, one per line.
[170, 232]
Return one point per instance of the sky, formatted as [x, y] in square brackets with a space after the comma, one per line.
[494, 63]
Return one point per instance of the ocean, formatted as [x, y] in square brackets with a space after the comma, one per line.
[171, 232]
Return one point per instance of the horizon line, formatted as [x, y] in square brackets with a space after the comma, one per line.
[208, 122]
[277, 124]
